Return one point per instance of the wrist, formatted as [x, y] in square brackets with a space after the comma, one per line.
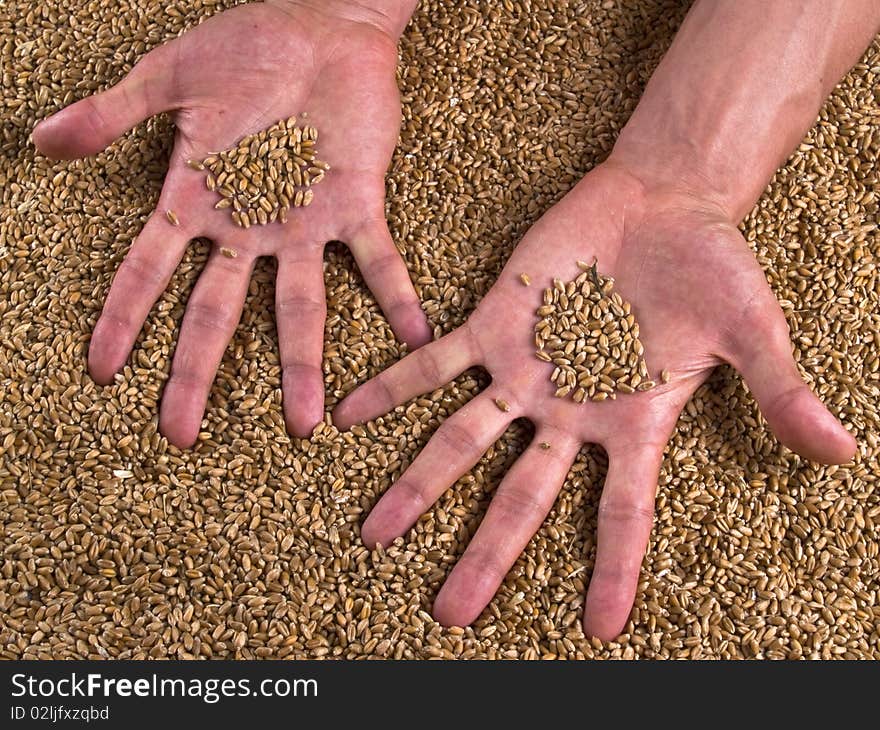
[679, 168]
[724, 151]
[389, 16]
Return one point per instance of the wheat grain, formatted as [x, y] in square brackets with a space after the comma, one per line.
[265, 174]
[588, 332]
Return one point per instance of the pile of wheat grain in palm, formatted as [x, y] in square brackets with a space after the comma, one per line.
[266, 174]
[588, 331]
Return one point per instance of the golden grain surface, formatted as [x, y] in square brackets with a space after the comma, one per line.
[116, 544]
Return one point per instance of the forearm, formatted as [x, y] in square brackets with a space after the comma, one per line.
[389, 15]
[741, 84]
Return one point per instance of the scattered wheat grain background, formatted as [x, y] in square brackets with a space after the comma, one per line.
[115, 544]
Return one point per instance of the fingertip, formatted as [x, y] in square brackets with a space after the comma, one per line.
[57, 136]
[42, 136]
[101, 371]
[368, 537]
[833, 444]
[390, 518]
[795, 414]
[446, 620]
[181, 413]
[107, 355]
[602, 629]
[38, 136]
[849, 447]
[180, 430]
[466, 592]
[303, 388]
[301, 426]
[605, 616]
[449, 611]
[413, 328]
[838, 445]
[806, 426]
[372, 534]
[345, 414]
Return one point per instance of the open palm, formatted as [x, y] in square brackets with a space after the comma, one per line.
[700, 299]
[236, 74]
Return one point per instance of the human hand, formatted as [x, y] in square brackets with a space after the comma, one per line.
[700, 299]
[237, 73]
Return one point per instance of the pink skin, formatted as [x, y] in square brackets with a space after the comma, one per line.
[239, 72]
[700, 298]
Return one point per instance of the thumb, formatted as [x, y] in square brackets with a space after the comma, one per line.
[763, 354]
[90, 125]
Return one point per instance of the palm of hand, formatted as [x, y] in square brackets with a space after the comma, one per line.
[700, 299]
[234, 75]
[249, 67]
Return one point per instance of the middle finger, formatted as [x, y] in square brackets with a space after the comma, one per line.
[212, 314]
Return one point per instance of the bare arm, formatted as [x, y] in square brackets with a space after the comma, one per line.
[741, 84]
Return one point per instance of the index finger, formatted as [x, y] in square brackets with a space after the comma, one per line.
[386, 275]
[139, 281]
